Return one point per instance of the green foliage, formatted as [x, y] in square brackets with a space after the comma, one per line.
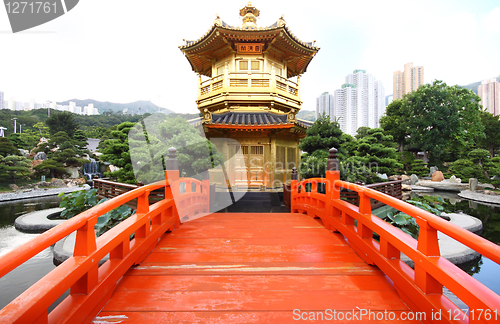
[479, 166]
[61, 152]
[373, 153]
[62, 122]
[408, 224]
[394, 123]
[313, 165]
[13, 166]
[7, 148]
[149, 144]
[322, 135]
[412, 165]
[438, 115]
[491, 138]
[465, 169]
[116, 151]
[17, 141]
[437, 119]
[76, 202]
[112, 218]
[79, 201]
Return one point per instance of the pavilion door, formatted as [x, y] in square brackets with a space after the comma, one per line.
[256, 166]
[240, 170]
[249, 166]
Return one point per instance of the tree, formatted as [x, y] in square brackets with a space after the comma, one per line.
[438, 115]
[320, 137]
[491, 138]
[149, 143]
[62, 121]
[7, 148]
[116, 151]
[374, 153]
[394, 123]
[14, 165]
[17, 141]
[60, 151]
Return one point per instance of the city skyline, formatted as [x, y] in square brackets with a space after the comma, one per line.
[98, 52]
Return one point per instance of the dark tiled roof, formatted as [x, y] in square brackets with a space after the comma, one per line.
[248, 119]
[303, 123]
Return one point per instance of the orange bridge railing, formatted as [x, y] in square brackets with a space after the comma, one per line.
[420, 288]
[127, 243]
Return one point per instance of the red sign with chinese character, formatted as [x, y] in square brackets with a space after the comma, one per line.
[249, 48]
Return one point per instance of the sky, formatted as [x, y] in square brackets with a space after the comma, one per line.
[123, 51]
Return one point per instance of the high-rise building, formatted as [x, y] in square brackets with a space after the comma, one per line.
[489, 91]
[324, 105]
[408, 80]
[360, 102]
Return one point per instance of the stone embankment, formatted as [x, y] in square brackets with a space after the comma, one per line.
[37, 192]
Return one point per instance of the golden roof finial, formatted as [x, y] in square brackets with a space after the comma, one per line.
[249, 16]
[218, 21]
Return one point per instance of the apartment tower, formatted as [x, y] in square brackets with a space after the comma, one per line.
[408, 80]
[489, 91]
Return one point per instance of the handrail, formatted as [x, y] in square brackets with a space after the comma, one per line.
[92, 285]
[432, 272]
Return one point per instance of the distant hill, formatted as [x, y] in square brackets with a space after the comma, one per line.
[307, 115]
[133, 108]
[475, 85]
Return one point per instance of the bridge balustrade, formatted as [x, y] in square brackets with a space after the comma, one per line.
[127, 243]
[420, 288]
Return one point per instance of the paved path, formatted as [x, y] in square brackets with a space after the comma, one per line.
[490, 199]
[32, 193]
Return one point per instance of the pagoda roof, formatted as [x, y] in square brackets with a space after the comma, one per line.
[219, 41]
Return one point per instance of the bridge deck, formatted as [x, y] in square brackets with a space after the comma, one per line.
[251, 268]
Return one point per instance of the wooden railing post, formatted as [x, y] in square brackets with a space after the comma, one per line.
[429, 246]
[171, 177]
[293, 189]
[332, 192]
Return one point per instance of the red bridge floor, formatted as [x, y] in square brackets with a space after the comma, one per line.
[253, 268]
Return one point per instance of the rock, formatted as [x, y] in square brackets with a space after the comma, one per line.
[405, 187]
[112, 168]
[487, 192]
[382, 176]
[73, 172]
[71, 184]
[453, 179]
[80, 181]
[57, 182]
[40, 156]
[13, 187]
[25, 153]
[432, 170]
[413, 179]
[473, 184]
[394, 177]
[405, 178]
[437, 176]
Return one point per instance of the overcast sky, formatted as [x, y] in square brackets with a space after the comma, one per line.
[123, 50]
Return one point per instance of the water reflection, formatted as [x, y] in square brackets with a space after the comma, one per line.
[18, 280]
[483, 269]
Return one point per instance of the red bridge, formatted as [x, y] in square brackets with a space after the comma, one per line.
[319, 262]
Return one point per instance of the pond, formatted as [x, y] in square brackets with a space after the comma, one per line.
[483, 269]
[28, 273]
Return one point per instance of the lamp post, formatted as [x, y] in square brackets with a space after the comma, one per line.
[15, 125]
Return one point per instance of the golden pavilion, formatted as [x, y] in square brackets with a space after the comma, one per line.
[249, 91]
